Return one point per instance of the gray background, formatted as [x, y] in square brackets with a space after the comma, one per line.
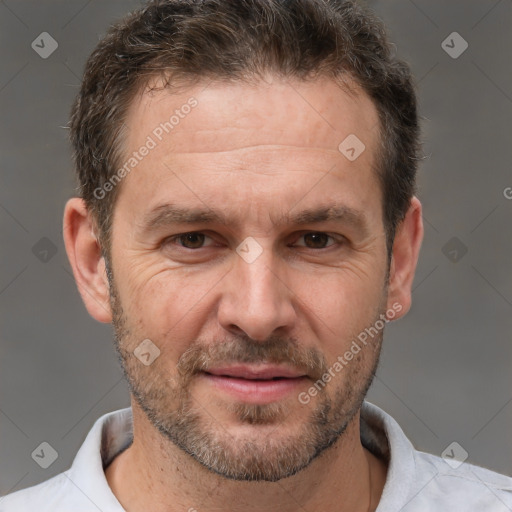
[445, 371]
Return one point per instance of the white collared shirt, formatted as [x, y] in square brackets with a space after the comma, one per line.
[416, 481]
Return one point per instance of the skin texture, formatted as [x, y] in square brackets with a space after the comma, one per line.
[258, 155]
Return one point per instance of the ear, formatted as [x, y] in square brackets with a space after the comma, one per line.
[406, 249]
[84, 253]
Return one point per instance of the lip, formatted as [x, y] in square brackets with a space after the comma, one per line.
[255, 372]
[255, 384]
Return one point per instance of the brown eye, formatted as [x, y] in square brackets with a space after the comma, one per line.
[192, 240]
[316, 240]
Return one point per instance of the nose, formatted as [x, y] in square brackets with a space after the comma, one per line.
[256, 299]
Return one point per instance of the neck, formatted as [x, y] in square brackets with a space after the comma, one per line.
[153, 474]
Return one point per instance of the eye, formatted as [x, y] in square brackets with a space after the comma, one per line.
[316, 240]
[193, 240]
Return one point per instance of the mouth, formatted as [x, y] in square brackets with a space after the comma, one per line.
[255, 384]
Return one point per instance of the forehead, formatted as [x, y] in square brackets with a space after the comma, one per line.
[317, 113]
[239, 141]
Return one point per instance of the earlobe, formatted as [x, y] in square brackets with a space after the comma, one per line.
[406, 249]
[87, 262]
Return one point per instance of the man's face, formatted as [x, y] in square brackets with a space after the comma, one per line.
[251, 252]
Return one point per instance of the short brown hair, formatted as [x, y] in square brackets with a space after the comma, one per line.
[234, 40]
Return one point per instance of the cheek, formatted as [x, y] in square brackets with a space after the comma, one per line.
[169, 308]
[337, 309]
[340, 301]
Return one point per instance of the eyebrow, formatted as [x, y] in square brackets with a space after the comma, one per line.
[167, 214]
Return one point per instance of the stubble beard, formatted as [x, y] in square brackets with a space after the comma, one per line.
[262, 456]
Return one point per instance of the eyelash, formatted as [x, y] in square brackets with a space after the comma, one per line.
[335, 240]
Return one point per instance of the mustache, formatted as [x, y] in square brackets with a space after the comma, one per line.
[200, 356]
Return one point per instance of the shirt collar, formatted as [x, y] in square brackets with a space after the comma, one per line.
[113, 433]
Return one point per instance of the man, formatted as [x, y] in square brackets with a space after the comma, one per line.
[247, 221]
